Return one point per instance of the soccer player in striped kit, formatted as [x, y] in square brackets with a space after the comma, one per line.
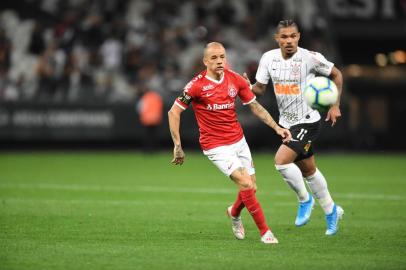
[290, 68]
[213, 95]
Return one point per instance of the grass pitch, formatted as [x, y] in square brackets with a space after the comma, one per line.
[112, 210]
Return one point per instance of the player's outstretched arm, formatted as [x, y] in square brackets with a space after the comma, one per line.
[257, 88]
[174, 124]
[264, 115]
[334, 112]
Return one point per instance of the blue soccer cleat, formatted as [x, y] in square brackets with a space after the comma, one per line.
[304, 212]
[332, 220]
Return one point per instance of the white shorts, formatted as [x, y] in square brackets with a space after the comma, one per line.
[229, 158]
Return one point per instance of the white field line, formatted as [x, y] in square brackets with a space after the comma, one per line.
[192, 190]
[125, 202]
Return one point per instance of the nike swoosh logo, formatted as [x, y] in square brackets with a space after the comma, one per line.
[208, 95]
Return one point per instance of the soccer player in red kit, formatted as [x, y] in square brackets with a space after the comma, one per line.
[213, 95]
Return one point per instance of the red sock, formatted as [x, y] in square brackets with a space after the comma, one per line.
[238, 206]
[250, 201]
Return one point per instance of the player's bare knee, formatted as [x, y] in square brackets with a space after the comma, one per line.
[281, 160]
[278, 161]
[246, 185]
[242, 179]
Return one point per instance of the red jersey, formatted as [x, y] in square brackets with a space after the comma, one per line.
[214, 105]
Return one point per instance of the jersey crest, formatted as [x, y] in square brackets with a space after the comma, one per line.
[232, 92]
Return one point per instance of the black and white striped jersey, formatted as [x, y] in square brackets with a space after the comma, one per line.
[289, 78]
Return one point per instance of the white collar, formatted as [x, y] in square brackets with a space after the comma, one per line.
[214, 80]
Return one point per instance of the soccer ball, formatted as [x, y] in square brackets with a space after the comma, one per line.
[320, 93]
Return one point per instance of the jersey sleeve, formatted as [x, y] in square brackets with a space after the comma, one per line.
[320, 64]
[263, 75]
[244, 92]
[187, 95]
[183, 100]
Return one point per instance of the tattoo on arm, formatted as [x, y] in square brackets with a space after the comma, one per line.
[174, 136]
[174, 123]
[262, 114]
[178, 150]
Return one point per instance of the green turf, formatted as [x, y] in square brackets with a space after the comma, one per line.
[114, 210]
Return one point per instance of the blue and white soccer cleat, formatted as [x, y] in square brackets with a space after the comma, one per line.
[304, 212]
[332, 220]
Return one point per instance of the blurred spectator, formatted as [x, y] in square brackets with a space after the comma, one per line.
[6, 89]
[65, 32]
[5, 60]
[226, 12]
[111, 52]
[132, 62]
[5, 51]
[92, 34]
[150, 110]
[100, 51]
[37, 43]
[49, 70]
[77, 84]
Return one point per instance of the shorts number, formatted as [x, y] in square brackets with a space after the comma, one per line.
[301, 134]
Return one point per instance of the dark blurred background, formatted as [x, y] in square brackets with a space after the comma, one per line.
[103, 74]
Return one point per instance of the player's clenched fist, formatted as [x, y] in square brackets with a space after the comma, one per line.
[284, 133]
[178, 155]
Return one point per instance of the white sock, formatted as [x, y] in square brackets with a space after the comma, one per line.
[318, 185]
[293, 177]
